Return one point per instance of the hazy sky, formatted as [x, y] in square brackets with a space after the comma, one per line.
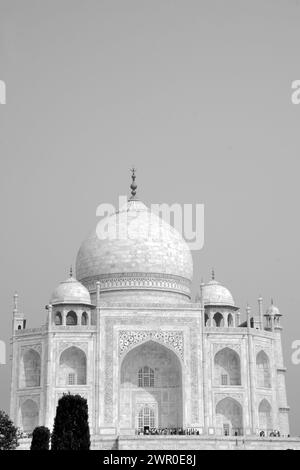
[197, 94]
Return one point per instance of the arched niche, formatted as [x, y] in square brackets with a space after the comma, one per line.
[227, 367]
[229, 417]
[72, 367]
[29, 415]
[265, 416]
[30, 370]
[263, 370]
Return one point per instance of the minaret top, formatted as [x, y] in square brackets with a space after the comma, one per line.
[16, 302]
[133, 185]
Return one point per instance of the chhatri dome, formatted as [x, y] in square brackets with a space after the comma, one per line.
[71, 291]
[216, 294]
[273, 310]
[135, 254]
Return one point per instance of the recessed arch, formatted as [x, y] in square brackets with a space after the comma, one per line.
[227, 367]
[265, 416]
[229, 417]
[263, 370]
[29, 415]
[72, 367]
[161, 391]
[30, 372]
[71, 318]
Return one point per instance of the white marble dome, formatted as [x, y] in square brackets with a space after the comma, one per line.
[71, 291]
[216, 294]
[273, 310]
[135, 249]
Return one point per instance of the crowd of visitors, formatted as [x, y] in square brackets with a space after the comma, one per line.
[168, 431]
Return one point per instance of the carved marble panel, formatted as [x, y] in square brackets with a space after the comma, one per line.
[131, 338]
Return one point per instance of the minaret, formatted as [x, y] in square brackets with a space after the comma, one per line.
[97, 385]
[251, 361]
[248, 313]
[204, 362]
[19, 322]
[260, 312]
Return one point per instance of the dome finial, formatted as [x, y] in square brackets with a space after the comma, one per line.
[133, 185]
[213, 274]
[71, 271]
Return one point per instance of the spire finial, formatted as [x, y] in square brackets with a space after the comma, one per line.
[133, 185]
[213, 274]
[71, 271]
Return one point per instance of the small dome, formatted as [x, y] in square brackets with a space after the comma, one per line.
[71, 291]
[273, 310]
[216, 294]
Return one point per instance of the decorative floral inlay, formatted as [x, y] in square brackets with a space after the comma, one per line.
[127, 339]
[35, 347]
[218, 346]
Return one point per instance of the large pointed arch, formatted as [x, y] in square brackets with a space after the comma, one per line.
[151, 380]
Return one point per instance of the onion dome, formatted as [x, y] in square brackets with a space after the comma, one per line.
[134, 249]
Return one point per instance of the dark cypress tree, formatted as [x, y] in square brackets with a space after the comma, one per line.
[71, 427]
[40, 438]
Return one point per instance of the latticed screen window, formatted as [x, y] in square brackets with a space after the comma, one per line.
[224, 379]
[146, 377]
[71, 379]
[226, 429]
[146, 418]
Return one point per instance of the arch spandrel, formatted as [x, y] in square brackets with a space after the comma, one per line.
[129, 339]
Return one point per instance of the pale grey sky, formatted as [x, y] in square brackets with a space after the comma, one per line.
[197, 94]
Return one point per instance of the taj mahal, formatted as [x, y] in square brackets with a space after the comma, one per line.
[124, 332]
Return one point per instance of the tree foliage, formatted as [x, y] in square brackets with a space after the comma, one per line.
[40, 438]
[71, 428]
[8, 433]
